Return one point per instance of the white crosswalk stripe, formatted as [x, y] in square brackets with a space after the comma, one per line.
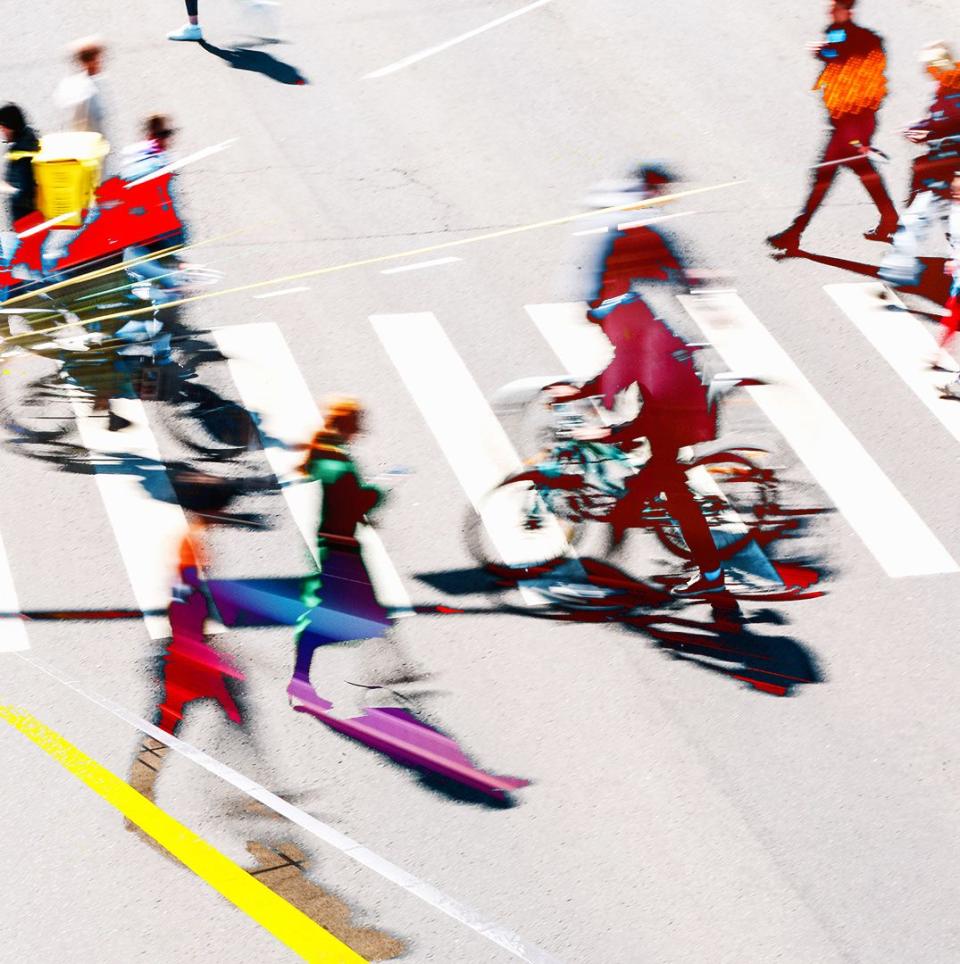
[270, 383]
[886, 522]
[903, 340]
[466, 429]
[148, 528]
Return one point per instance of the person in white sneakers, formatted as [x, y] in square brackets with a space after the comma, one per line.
[190, 30]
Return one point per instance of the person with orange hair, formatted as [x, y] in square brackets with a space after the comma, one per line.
[340, 600]
[854, 86]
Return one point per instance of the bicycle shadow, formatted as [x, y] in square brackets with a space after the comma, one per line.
[717, 636]
[257, 61]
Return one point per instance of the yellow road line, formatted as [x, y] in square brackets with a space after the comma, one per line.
[378, 259]
[302, 935]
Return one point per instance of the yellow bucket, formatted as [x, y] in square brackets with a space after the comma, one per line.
[67, 171]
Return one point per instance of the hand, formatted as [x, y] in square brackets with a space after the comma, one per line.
[916, 136]
[561, 391]
[951, 267]
[592, 433]
[816, 46]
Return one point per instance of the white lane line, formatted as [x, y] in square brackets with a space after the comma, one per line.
[13, 633]
[903, 340]
[429, 894]
[584, 350]
[182, 162]
[419, 264]
[430, 51]
[148, 527]
[888, 525]
[270, 383]
[286, 291]
[469, 434]
[640, 223]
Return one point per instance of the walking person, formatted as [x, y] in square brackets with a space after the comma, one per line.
[80, 95]
[340, 599]
[930, 192]
[191, 29]
[20, 185]
[854, 86]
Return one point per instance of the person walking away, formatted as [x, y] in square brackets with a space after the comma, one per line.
[80, 95]
[932, 172]
[342, 584]
[191, 29]
[854, 86]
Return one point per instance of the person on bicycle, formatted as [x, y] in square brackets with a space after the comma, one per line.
[650, 355]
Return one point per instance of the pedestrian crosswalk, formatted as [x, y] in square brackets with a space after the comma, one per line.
[469, 436]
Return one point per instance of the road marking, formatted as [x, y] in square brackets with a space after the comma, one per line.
[345, 266]
[584, 350]
[903, 340]
[888, 525]
[182, 162]
[447, 44]
[286, 291]
[469, 434]
[13, 633]
[271, 385]
[459, 912]
[627, 225]
[149, 528]
[289, 925]
[420, 264]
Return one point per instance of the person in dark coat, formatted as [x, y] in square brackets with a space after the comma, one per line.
[21, 185]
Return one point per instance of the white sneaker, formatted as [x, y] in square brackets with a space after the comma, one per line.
[189, 31]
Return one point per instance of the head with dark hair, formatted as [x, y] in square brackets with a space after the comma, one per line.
[12, 121]
[157, 127]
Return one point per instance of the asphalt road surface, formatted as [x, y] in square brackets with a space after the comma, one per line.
[676, 811]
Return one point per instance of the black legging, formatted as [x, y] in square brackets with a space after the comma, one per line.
[192, 7]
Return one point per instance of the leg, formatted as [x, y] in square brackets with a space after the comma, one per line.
[823, 176]
[192, 11]
[870, 177]
[191, 30]
[901, 265]
[664, 474]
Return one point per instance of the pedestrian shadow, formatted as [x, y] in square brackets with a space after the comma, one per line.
[246, 58]
[934, 284]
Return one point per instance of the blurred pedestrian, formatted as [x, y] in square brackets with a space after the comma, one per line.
[19, 183]
[343, 585]
[854, 86]
[191, 29]
[80, 95]
[932, 172]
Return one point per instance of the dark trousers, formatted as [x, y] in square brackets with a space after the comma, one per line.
[192, 7]
[662, 473]
[854, 127]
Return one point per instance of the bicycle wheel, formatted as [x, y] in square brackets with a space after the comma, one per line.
[722, 467]
[508, 529]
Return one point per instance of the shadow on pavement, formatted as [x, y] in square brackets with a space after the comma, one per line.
[245, 58]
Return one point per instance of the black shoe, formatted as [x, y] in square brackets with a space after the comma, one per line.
[788, 240]
[117, 423]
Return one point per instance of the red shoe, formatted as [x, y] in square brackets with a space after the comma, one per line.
[700, 585]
